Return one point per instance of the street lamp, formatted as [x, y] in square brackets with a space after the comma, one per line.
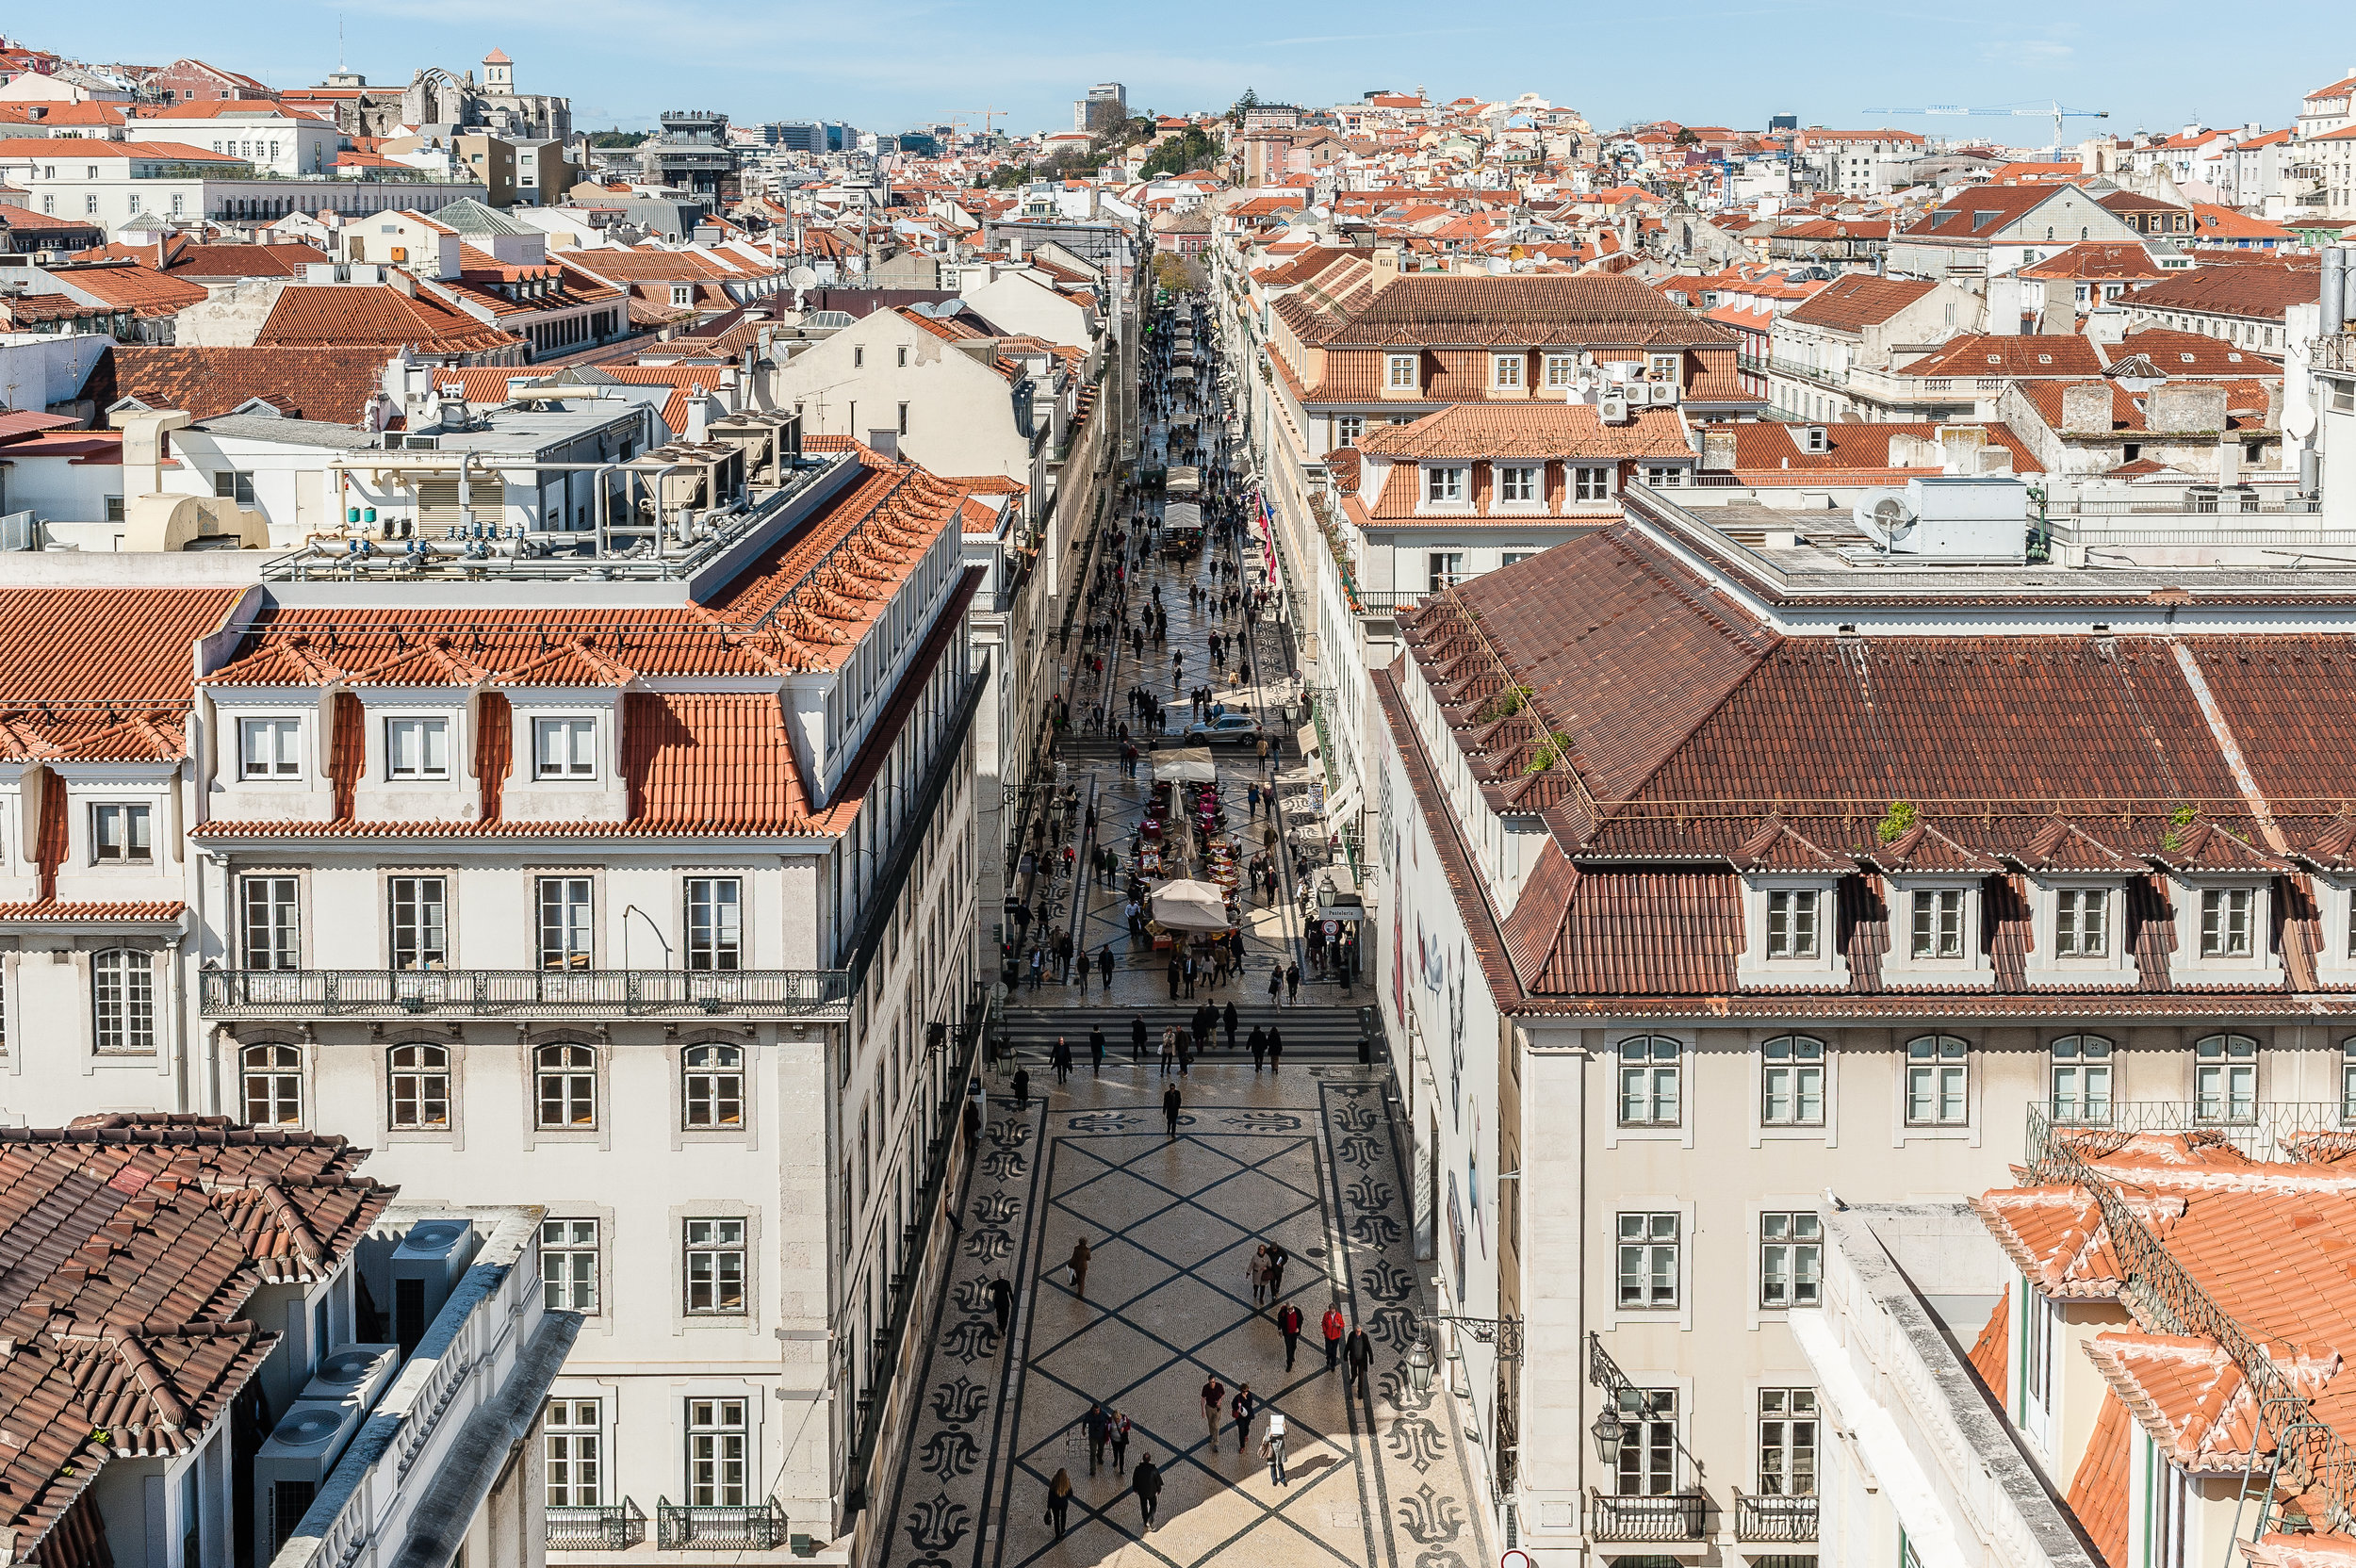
[1607, 1430]
[1420, 1365]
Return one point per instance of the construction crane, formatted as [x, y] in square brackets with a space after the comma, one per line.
[989, 118]
[2050, 110]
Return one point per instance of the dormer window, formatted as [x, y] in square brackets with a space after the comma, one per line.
[1562, 370]
[564, 748]
[122, 834]
[2226, 916]
[1517, 483]
[2081, 922]
[416, 748]
[269, 748]
[1506, 372]
[1402, 375]
[1791, 923]
[1443, 487]
[1937, 924]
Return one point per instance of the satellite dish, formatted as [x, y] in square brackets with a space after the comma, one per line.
[803, 277]
[1883, 515]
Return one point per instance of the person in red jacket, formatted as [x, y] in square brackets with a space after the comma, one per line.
[1333, 1328]
[1288, 1324]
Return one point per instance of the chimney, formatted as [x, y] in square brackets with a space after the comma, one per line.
[885, 443]
[1960, 448]
[2086, 406]
[2179, 407]
[2106, 325]
[1718, 449]
[1385, 263]
[2003, 307]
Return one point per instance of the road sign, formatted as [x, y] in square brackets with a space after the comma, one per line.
[1515, 1557]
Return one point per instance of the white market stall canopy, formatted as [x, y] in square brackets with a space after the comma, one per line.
[1183, 478]
[1191, 906]
[1182, 517]
[1187, 765]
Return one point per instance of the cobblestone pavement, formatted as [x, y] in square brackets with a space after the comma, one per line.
[1308, 1159]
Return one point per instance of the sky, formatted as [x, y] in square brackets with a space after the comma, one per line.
[889, 65]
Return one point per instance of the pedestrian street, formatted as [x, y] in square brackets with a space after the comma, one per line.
[1305, 1160]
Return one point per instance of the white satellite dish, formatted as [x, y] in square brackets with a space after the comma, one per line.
[803, 277]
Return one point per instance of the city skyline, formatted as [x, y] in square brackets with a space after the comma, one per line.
[861, 67]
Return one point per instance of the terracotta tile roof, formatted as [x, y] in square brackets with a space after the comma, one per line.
[1857, 302]
[2097, 1494]
[1989, 1353]
[1765, 450]
[1531, 429]
[148, 294]
[132, 1243]
[1448, 309]
[331, 315]
[2247, 405]
[718, 762]
[2071, 355]
[49, 659]
[2258, 292]
[331, 385]
[2098, 259]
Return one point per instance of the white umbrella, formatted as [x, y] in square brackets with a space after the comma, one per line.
[1191, 906]
[1187, 764]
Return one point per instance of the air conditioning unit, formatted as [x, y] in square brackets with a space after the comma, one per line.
[354, 1374]
[294, 1462]
[426, 1268]
[1665, 392]
[1614, 410]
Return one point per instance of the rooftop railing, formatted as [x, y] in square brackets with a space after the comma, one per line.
[234, 993]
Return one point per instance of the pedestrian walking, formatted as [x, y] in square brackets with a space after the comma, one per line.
[1227, 1018]
[1022, 1088]
[1259, 1048]
[1120, 1442]
[1256, 1271]
[1276, 986]
[1146, 1481]
[1292, 984]
[1104, 954]
[1098, 1424]
[1061, 1060]
[1002, 1304]
[1169, 1050]
[1058, 1503]
[1173, 977]
[1333, 1328]
[1245, 1405]
[1080, 1268]
[1214, 1397]
[1251, 797]
[1136, 1036]
[1039, 963]
[1273, 1447]
[1191, 971]
[1170, 1103]
[1277, 1259]
[1357, 1360]
[1275, 1048]
[1288, 1324]
[1096, 1049]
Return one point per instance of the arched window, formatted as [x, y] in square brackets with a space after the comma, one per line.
[417, 1087]
[713, 1077]
[565, 1077]
[270, 1077]
[1939, 1082]
[2225, 1079]
[1791, 1081]
[123, 1000]
[2081, 1079]
[1651, 1070]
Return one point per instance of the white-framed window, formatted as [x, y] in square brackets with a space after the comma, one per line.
[573, 1447]
[1505, 371]
[2347, 1079]
[715, 1265]
[564, 748]
[1443, 570]
[1939, 1082]
[1348, 428]
[682, 294]
[416, 748]
[1648, 1442]
[1514, 557]
[2226, 917]
[1792, 924]
[1652, 1073]
[566, 934]
[122, 833]
[418, 909]
[2081, 922]
[2080, 1070]
[1791, 1081]
[1562, 370]
[1790, 1259]
[417, 1087]
[1937, 924]
[269, 748]
[123, 1000]
[568, 1265]
[716, 1463]
[1590, 485]
[564, 1078]
[2225, 1079]
[1787, 1442]
[1399, 375]
[715, 922]
[1663, 476]
[1648, 1261]
[269, 1083]
[712, 1081]
[1443, 487]
[1662, 368]
[269, 920]
[1517, 482]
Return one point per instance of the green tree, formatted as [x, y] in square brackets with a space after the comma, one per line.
[1245, 104]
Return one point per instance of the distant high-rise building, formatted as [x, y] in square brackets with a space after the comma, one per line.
[1107, 104]
[1784, 123]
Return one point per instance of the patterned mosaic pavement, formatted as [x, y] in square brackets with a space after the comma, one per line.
[1308, 1160]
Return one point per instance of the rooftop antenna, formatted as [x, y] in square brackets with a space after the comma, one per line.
[340, 44]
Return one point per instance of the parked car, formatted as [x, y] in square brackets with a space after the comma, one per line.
[1239, 728]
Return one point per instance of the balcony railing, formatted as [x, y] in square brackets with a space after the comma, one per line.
[1385, 600]
[2262, 1130]
[523, 992]
[612, 1527]
[719, 1527]
[1774, 1518]
[1809, 372]
[1681, 1516]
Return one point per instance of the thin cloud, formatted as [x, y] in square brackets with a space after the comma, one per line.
[1377, 37]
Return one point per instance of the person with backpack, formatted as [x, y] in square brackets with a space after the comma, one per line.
[1146, 1481]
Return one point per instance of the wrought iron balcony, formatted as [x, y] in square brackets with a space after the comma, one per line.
[1774, 1518]
[610, 1528]
[1678, 1516]
[719, 1527]
[232, 993]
